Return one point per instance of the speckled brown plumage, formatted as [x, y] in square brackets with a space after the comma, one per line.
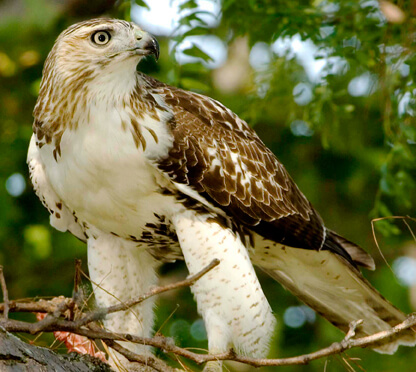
[270, 203]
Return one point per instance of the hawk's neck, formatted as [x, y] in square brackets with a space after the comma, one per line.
[130, 104]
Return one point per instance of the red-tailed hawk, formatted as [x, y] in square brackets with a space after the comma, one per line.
[146, 173]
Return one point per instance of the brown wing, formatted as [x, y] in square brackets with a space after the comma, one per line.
[222, 158]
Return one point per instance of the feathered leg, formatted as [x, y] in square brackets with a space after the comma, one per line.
[120, 270]
[229, 297]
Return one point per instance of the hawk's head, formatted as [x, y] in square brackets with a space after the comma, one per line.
[99, 54]
[102, 41]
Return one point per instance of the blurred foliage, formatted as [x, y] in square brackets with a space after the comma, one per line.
[346, 133]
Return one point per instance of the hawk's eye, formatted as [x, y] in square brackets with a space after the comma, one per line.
[101, 37]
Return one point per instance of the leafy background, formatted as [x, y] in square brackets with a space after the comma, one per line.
[328, 85]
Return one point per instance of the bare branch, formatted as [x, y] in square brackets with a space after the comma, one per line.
[101, 313]
[50, 306]
[50, 319]
[85, 327]
[353, 326]
[167, 345]
[41, 306]
[145, 360]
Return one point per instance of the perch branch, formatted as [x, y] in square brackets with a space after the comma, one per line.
[50, 306]
[167, 345]
[101, 313]
[85, 327]
[145, 360]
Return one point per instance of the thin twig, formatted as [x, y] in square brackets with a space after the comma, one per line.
[77, 276]
[88, 329]
[375, 237]
[145, 360]
[41, 306]
[353, 326]
[100, 313]
[376, 241]
[50, 319]
[6, 306]
[167, 345]
[75, 294]
[410, 229]
[50, 306]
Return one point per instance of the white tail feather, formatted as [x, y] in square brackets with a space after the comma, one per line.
[333, 288]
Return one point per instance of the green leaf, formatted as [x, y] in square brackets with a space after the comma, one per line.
[196, 31]
[196, 52]
[190, 4]
[142, 3]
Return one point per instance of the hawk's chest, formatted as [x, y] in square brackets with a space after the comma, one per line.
[104, 172]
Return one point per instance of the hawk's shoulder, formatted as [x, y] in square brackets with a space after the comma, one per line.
[218, 155]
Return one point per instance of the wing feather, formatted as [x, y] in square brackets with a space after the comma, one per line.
[218, 155]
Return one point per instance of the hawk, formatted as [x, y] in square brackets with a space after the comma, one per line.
[146, 173]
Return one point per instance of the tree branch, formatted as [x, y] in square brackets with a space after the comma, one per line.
[167, 345]
[144, 360]
[101, 313]
[84, 327]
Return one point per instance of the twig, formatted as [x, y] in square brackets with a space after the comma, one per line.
[41, 306]
[50, 319]
[86, 327]
[50, 306]
[75, 294]
[351, 332]
[375, 237]
[77, 276]
[101, 313]
[5, 294]
[145, 360]
[167, 345]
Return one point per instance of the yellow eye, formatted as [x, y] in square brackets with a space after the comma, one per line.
[101, 37]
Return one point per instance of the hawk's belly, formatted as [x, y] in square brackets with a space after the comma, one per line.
[107, 181]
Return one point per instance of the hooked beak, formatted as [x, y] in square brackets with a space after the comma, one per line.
[146, 44]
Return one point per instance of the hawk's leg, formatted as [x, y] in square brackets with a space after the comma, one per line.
[121, 270]
[229, 297]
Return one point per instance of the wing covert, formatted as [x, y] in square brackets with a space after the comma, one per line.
[218, 155]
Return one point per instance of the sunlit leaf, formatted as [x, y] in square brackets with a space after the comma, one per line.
[196, 52]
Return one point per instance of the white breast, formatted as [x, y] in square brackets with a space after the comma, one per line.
[103, 176]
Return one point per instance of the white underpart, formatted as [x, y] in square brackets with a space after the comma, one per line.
[113, 187]
[120, 271]
[48, 196]
[112, 183]
[229, 297]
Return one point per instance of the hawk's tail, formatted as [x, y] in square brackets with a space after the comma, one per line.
[335, 289]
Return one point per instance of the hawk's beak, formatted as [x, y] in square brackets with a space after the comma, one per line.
[146, 44]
